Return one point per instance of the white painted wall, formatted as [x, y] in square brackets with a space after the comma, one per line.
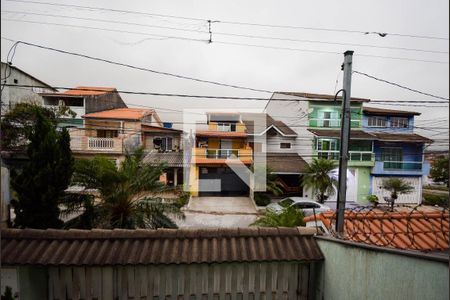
[273, 144]
[295, 115]
[412, 198]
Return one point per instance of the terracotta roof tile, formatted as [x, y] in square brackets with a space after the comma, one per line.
[164, 246]
[401, 137]
[89, 91]
[121, 114]
[414, 230]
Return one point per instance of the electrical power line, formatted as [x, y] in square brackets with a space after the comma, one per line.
[220, 33]
[208, 97]
[364, 32]
[400, 86]
[138, 68]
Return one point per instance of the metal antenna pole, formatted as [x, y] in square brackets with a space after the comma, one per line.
[345, 138]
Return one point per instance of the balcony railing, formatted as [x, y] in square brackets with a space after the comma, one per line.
[226, 127]
[332, 123]
[353, 155]
[403, 165]
[222, 153]
[100, 143]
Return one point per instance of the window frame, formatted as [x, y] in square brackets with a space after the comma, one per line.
[396, 122]
[377, 119]
[289, 145]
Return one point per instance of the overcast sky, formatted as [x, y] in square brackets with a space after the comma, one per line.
[260, 68]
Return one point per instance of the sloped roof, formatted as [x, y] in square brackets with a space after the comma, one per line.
[254, 127]
[89, 91]
[121, 114]
[285, 163]
[321, 97]
[354, 134]
[388, 112]
[401, 137]
[29, 75]
[162, 246]
[414, 230]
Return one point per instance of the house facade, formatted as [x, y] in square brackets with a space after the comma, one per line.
[112, 132]
[221, 142]
[316, 119]
[382, 142]
[12, 94]
[83, 100]
[399, 152]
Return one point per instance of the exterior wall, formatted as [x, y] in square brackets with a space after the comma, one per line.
[149, 136]
[240, 127]
[414, 197]
[316, 115]
[388, 128]
[264, 280]
[5, 196]
[12, 95]
[294, 112]
[364, 185]
[354, 272]
[273, 144]
[103, 102]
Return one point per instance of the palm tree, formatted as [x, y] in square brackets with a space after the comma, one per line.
[288, 217]
[126, 194]
[396, 186]
[317, 177]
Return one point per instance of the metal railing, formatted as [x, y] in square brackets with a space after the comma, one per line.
[403, 165]
[221, 153]
[353, 155]
[317, 122]
[100, 143]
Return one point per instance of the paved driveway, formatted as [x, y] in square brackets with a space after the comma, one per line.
[216, 212]
[204, 220]
[222, 205]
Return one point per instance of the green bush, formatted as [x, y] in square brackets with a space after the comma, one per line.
[434, 199]
[288, 217]
[262, 199]
[372, 198]
[183, 199]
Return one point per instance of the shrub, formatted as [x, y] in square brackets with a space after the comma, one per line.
[288, 217]
[372, 198]
[434, 199]
[261, 199]
[183, 199]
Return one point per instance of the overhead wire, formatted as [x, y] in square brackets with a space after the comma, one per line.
[218, 32]
[364, 32]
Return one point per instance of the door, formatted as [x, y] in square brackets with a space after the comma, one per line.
[221, 181]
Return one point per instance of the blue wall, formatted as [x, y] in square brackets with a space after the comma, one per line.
[388, 127]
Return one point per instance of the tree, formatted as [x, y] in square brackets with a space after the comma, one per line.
[317, 177]
[396, 186]
[288, 217]
[18, 123]
[126, 194]
[439, 170]
[41, 182]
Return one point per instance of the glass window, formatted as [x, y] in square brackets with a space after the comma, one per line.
[377, 121]
[107, 133]
[286, 202]
[285, 145]
[399, 122]
[391, 154]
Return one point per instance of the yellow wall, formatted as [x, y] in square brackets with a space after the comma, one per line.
[240, 127]
[193, 180]
[213, 143]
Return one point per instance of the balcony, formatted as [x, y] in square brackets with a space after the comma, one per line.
[332, 123]
[204, 155]
[226, 127]
[93, 144]
[356, 158]
[401, 168]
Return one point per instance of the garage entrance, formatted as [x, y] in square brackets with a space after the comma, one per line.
[222, 181]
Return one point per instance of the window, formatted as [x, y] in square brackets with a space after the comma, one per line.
[377, 121]
[226, 127]
[163, 144]
[16, 81]
[107, 133]
[391, 154]
[285, 145]
[326, 119]
[399, 122]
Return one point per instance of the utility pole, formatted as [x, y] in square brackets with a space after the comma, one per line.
[345, 138]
